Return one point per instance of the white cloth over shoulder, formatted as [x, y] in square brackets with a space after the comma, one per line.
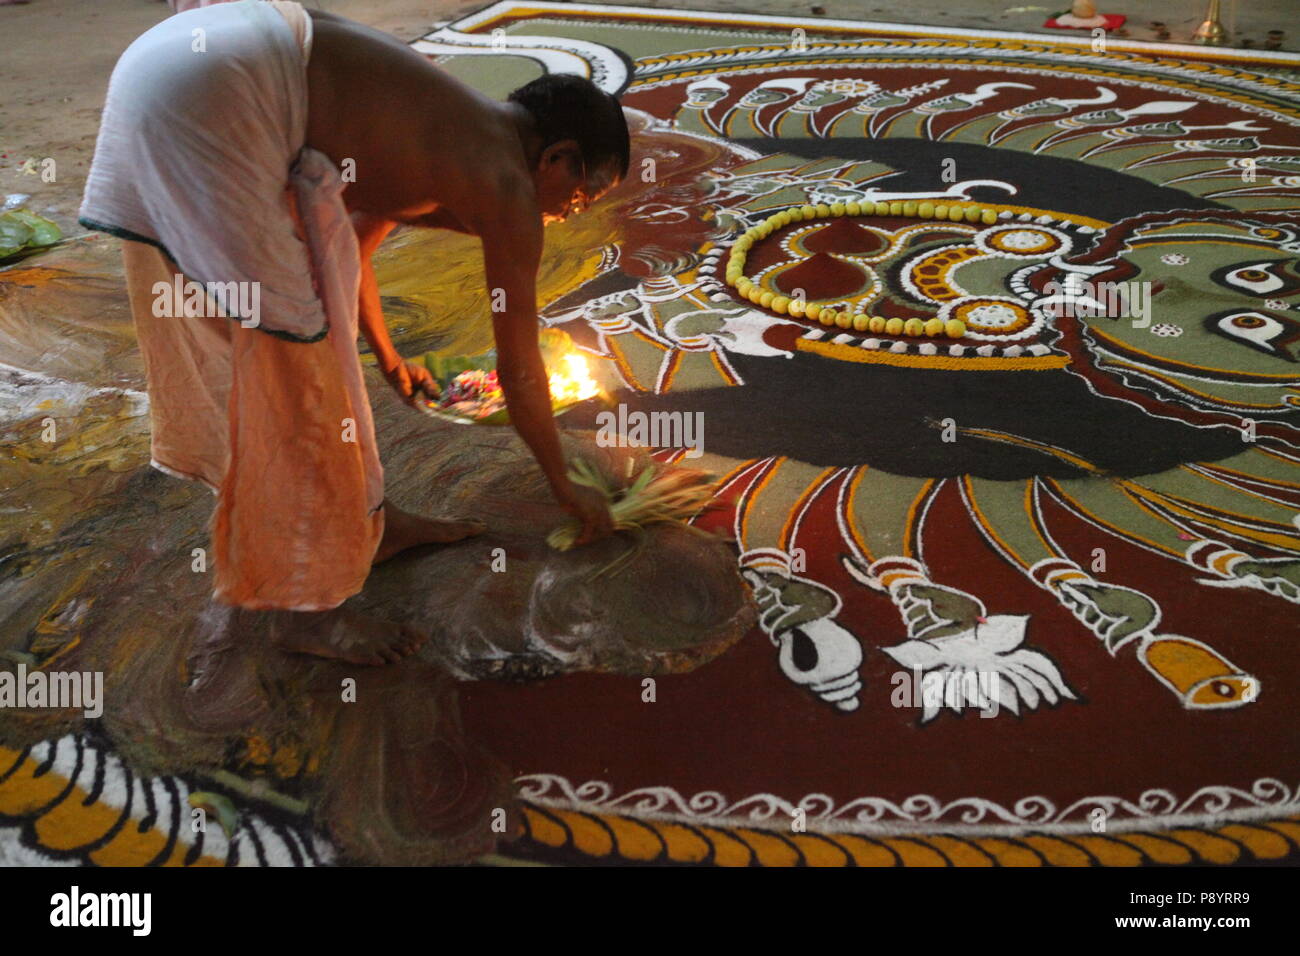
[205, 116]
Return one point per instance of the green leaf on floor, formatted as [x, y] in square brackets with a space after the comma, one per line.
[22, 231]
[218, 806]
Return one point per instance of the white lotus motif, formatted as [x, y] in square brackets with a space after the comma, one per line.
[984, 667]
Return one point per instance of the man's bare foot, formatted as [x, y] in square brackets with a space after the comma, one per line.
[344, 635]
[404, 530]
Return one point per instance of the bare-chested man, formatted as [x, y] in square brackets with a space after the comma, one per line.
[433, 152]
[427, 151]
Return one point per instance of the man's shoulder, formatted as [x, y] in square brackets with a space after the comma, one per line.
[505, 217]
[499, 193]
[326, 15]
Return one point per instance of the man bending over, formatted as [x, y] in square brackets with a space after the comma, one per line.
[218, 161]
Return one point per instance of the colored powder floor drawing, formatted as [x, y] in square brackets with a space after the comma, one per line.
[1016, 502]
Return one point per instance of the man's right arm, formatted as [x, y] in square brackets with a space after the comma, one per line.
[371, 231]
[407, 379]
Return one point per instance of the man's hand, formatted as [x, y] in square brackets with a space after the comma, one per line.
[412, 382]
[590, 508]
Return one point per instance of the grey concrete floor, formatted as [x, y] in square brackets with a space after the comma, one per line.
[56, 56]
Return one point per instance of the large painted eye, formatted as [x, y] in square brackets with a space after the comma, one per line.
[1259, 330]
[1260, 278]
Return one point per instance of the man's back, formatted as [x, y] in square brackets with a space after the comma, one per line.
[421, 140]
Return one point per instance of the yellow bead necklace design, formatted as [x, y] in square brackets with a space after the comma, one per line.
[858, 321]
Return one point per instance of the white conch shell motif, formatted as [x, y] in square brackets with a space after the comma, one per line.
[815, 652]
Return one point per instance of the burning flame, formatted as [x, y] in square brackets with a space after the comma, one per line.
[574, 383]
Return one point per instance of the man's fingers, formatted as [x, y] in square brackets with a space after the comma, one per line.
[587, 535]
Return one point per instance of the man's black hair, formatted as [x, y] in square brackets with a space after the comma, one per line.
[568, 106]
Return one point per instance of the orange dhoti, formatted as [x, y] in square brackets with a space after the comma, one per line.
[272, 426]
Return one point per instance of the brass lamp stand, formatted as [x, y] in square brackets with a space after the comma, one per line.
[1211, 31]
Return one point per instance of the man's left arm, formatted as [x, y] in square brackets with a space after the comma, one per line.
[512, 250]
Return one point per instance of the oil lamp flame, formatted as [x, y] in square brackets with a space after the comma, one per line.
[573, 383]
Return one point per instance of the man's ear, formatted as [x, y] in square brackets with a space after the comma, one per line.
[562, 151]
